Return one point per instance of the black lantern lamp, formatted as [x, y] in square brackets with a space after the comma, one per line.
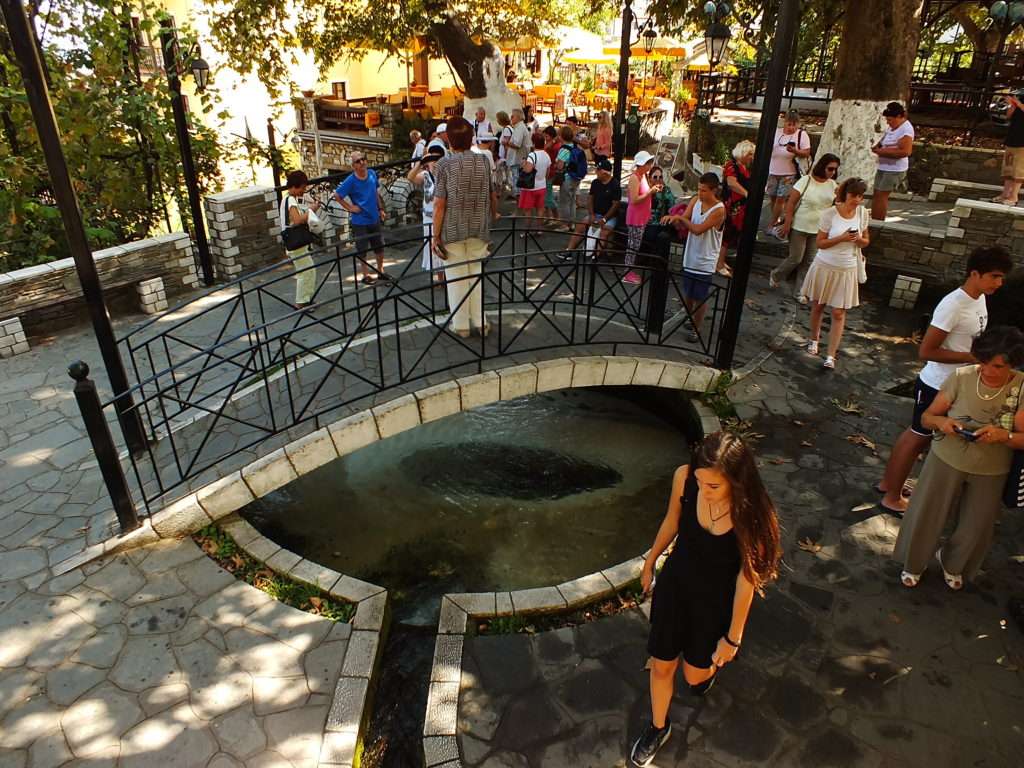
[650, 36]
[200, 70]
[717, 35]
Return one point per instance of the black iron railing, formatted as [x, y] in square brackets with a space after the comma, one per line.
[219, 382]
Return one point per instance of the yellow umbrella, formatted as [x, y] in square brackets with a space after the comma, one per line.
[664, 48]
[589, 57]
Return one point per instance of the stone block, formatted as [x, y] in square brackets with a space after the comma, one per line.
[453, 619]
[588, 371]
[623, 573]
[474, 603]
[354, 432]
[439, 401]
[585, 589]
[674, 376]
[181, 518]
[481, 389]
[539, 600]
[619, 371]
[338, 748]
[269, 473]
[440, 751]
[370, 612]
[346, 711]
[503, 604]
[442, 710]
[554, 374]
[361, 655]
[262, 548]
[241, 531]
[225, 496]
[355, 590]
[701, 378]
[447, 664]
[517, 381]
[311, 452]
[648, 372]
[397, 416]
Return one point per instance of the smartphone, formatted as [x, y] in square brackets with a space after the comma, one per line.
[791, 144]
[967, 434]
[853, 231]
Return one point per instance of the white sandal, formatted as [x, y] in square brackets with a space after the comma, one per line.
[812, 348]
[909, 580]
[954, 581]
[830, 362]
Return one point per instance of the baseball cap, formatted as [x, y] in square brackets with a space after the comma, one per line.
[642, 158]
[893, 109]
[442, 128]
[603, 165]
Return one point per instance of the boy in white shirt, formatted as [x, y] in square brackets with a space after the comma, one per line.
[958, 318]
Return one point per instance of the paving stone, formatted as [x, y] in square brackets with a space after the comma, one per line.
[32, 719]
[592, 690]
[224, 761]
[276, 694]
[18, 685]
[163, 696]
[21, 562]
[145, 662]
[49, 751]
[98, 720]
[65, 683]
[118, 578]
[262, 655]
[598, 742]
[239, 733]
[530, 719]
[174, 738]
[269, 759]
[505, 760]
[103, 648]
[160, 616]
[216, 682]
[322, 665]
[505, 662]
[297, 733]
[203, 577]
[231, 605]
[166, 556]
[299, 629]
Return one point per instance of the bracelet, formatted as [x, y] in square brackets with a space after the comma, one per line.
[729, 641]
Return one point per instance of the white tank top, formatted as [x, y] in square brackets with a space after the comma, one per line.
[701, 254]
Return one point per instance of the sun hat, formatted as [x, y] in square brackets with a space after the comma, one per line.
[642, 158]
[442, 128]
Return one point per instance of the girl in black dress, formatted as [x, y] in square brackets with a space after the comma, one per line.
[727, 548]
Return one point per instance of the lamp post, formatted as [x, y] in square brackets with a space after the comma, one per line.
[201, 73]
[785, 31]
[716, 42]
[649, 37]
[38, 95]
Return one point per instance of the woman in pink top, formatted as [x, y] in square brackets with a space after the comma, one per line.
[639, 211]
[602, 148]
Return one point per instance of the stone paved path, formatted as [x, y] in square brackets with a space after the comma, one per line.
[841, 665]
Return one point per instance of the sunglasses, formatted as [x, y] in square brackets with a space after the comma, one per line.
[655, 178]
[359, 161]
[832, 169]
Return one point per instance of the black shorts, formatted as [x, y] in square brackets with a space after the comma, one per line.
[687, 624]
[368, 236]
[923, 398]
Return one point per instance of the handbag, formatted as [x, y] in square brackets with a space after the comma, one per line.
[803, 164]
[316, 225]
[862, 262]
[1013, 492]
[296, 236]
[526, 179]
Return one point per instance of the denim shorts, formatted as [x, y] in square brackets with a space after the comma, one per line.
[780, 186]
[888, 181]
[368, 236]
[696, 285]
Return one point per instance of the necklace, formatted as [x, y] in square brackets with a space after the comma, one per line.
[711, 515]
[994, 395]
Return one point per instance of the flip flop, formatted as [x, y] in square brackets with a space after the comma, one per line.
[954, 581]
[909, 580]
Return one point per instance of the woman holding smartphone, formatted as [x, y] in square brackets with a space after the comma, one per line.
[726, 548]
[978, 419]
[832, 280]
[422, 176]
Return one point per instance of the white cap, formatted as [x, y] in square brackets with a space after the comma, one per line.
[642, 158]
[442, 128]
[487, 137]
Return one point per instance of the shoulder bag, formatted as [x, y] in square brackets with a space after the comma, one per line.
[862, 262]
[296, 236]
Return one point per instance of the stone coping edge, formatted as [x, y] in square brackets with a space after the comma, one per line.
[348, 716]
[440, 726]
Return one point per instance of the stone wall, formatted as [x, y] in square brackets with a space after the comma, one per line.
[49, 295]
[244, 230]
[951, 190]
[932, 254]
[336, 151]
[929, 161]
[982, 223]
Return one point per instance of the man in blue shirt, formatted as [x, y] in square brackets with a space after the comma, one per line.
[359, 195]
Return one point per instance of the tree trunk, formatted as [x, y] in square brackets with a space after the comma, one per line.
[481, 68]
[875, 63]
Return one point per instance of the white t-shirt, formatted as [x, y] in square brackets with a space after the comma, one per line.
[438, 142]
[419, 149]
[889, 140]
[842, 255]
[783, 162]
[816, 197]
[701, 252]
[485, 152]
[287, 202]
[506, 133]
[962, 318]
[541, 161]
[428, 195]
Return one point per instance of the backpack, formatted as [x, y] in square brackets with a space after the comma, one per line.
[576, 167]
[803, 164]
[526, 180]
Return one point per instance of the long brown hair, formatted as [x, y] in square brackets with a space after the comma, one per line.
[753, 513]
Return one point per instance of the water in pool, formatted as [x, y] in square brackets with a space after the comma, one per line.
[522, 493]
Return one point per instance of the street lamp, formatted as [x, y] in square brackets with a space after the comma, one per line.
[716, 42]
[201, 72]
[650, 36]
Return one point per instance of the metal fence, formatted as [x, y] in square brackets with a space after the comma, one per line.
[219, 382]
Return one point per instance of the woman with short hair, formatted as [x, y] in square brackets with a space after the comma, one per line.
[735, 190]
[978, 419]
[295, 212]
[832, 281]
[531, 199]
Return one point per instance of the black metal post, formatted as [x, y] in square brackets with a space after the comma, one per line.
[169, 43]
[785, 29]
[620, 107]
[103, 446]
[275, 169]
[31, 65]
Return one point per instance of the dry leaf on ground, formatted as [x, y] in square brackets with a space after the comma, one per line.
[850, 406]
[809, 545]
[859, 439]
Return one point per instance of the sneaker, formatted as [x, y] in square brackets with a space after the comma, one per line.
[632, 278]
[812, 348]
[651, 740]
[772, 282]
[386, 277]
[830, 363]
[368, 280]
[802, 299]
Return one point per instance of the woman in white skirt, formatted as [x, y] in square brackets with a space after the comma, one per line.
[832, 281]
[422, 176]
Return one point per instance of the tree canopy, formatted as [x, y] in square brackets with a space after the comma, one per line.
[113, 110]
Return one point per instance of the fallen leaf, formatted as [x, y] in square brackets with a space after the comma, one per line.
[809, 545]
[797, 423]
[862, 440]
[806, 444]
[901, 673]
[850, 406]
[316, 602]
[864, 507]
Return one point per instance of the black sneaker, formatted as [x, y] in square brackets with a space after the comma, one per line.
[651, 740]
